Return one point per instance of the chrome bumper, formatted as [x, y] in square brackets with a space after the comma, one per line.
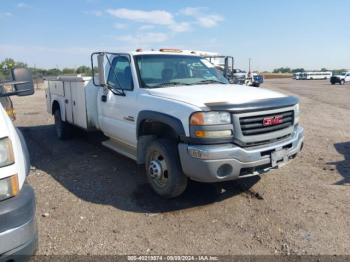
[214, 163]
[18, 234]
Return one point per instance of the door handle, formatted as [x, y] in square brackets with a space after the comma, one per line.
[66, 101]
[104, 98]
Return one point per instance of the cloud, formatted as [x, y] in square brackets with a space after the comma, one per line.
[146, 27]
[161, 19]
[93, 12]
[120, 26]
[180, 27]
[6, 14]
[22, 5]
[157, 17]
[151, 18]
[201, 16]
[144, 38]
[209, 21]
[192, 11]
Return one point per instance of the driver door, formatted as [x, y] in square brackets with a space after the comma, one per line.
[117, 106]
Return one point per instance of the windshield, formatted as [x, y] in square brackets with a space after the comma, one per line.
[157, 71]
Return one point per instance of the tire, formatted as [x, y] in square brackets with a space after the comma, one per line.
[163, 169]
[63, 129]
[342, 82]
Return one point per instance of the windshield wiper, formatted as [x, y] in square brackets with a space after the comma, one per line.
[209, 81]
[170, 84]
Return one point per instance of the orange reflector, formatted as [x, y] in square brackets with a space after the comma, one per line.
[199, 133]
[11, 113]
[14, 185]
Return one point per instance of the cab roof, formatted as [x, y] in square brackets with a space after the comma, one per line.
[165, 51]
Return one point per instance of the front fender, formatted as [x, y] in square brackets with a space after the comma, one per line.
[169, 120]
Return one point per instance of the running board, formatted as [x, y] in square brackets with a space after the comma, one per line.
[121, 148]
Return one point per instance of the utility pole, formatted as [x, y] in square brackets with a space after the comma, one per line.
[250, 60]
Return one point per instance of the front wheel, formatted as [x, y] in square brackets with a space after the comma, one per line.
[342, 82]
[163, 169]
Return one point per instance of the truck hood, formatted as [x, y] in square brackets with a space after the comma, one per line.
[339, 76]
[199, 95]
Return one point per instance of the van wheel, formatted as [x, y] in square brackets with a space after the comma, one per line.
[63, 129]
[342, 82]
[163, 169]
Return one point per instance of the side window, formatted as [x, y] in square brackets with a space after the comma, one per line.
[120, 76]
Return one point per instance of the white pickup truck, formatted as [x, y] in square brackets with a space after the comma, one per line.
[341, 78]
[175, 113]
[18, 232]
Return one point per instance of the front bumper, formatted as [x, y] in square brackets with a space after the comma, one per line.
[215, 163]
[18, 230]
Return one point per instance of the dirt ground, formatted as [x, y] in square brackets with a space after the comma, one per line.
[91, 200]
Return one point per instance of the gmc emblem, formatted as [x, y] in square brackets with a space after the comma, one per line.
[272, 121]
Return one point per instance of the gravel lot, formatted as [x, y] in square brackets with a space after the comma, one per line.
[91, 200]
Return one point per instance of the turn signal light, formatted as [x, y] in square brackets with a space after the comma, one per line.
[213, 134]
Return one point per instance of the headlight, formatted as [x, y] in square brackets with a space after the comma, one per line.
[296, 113]
[8, 187]
[211, 125]
[210, 118]
[6, 152]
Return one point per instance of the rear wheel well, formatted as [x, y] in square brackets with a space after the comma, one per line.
[150, 130]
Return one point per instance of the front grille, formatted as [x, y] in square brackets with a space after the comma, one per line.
[253, 125]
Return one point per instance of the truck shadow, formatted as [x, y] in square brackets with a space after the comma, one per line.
[343, 167]
[96, 174]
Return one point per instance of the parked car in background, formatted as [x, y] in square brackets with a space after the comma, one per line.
[18, 231]
[171, 111]
[341, 78]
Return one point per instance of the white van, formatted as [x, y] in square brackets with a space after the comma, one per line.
[18, 231]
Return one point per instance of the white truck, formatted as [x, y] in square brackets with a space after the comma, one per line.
[18, 232]
[341, 78]
[173, 112]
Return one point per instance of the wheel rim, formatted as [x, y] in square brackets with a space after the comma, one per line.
[157, 169]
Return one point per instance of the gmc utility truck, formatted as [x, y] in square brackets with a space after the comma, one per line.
[18, 231]
[174, 113]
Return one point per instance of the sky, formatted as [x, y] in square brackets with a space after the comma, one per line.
[274, 33]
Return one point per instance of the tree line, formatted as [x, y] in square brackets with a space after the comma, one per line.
[8, 64]
[287, 70]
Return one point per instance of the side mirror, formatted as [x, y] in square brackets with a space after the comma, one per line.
[23, 82]
[101, 69]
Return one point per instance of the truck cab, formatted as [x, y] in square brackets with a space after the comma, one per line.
[172, 112]
[18, 232]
